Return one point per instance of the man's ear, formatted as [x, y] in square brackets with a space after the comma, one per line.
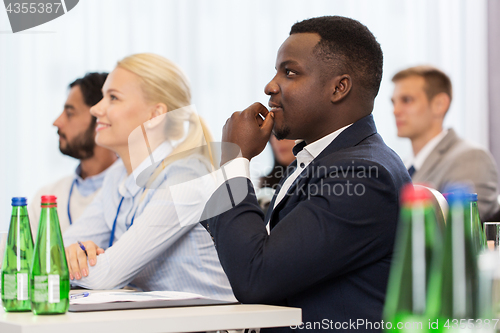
[158, 110]
[440, 104]
[342, 85]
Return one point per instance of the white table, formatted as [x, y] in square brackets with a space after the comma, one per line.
[183, 319]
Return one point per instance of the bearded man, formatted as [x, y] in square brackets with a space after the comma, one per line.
[76, 129]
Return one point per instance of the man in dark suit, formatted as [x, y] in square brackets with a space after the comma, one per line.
[332, 223]
[421, 98]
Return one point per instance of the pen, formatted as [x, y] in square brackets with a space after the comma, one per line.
[75, 296]
[83, 248]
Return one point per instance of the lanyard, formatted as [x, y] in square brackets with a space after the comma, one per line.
[112, 236]
[144, 191]
[69, 199]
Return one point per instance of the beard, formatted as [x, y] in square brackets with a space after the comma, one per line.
[82, 146]
[281, 133]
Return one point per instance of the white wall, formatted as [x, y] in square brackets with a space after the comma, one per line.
[228, 50]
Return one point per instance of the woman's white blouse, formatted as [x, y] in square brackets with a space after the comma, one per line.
[156, 252]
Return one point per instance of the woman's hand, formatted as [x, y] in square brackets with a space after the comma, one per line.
[78, 260]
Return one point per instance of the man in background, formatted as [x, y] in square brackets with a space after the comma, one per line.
[421, 98]
[76, 129]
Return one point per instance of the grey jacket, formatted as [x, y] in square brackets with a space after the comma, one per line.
[454, 160]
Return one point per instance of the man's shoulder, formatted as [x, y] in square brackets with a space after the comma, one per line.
[371, 160]
[63, 183]
[461, 149]
[454, 159]
[370, 151]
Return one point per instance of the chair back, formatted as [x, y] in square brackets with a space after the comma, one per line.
[440, 205]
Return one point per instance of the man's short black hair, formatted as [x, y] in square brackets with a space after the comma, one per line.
[91, 87]
[349, 48]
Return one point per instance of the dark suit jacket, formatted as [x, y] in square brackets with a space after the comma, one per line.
[332, 235]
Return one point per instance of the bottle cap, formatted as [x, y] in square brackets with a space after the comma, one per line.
[19, 201]
[415, 194]
[49, 199]
[472, 196]
[459, 193]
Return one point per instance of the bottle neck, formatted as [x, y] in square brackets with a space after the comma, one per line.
[49, 205]
[19, 210]
[417, 204]
[20, 221]
[48, 215]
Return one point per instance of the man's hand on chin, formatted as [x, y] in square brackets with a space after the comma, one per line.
[248, 131]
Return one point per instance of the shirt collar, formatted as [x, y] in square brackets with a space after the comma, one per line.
[418, 160]
[137, 180]
[306, 153]
[316, 147]
[90, 184]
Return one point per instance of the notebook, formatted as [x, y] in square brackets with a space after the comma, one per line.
[120, 300]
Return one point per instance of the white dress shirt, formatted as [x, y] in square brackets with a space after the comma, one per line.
[418, 160]
[305, 157]
[156, 252]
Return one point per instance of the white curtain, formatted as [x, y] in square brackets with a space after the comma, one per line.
[227, 48]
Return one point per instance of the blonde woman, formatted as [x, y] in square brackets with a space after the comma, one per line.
[132, 233]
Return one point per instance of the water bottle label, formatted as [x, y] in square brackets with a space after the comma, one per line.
[47, 288]
[40, 289]
[9, 286]
[54, 289]
[22, 286]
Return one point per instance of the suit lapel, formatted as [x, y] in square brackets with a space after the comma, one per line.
[285, 198]
[289, 170]
[435, 156]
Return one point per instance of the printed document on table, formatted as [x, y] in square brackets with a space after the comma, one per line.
[117, 296]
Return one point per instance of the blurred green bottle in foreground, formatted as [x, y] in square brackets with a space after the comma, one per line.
[17, 259]
[478, 235]
[453, 284]
[50, 275]
[418, 238]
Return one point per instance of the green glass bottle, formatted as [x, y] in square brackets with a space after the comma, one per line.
[418, 237]
[487, 267]
[50, 275]
[453, 285]
[17, 259]
[476, 236]
[479, 237]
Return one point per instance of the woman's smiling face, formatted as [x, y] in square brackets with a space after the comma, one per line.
[122, 109]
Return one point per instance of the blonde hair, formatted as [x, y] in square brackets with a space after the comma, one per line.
[162, 81]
